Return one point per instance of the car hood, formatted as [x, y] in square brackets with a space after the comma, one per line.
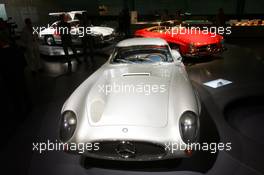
[132, 101]
[199, 38]
[184, 37]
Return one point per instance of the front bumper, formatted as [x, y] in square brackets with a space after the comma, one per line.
[137, 151]
[208, 50]
[76, 40]
[128, 151]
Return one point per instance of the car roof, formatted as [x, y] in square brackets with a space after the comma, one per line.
[141, 42]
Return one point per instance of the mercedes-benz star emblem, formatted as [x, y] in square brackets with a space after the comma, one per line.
[125, 130]
[126, 149]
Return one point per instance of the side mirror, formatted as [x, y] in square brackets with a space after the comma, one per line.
[176, 55]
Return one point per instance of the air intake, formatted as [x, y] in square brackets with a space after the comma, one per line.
[136, 74]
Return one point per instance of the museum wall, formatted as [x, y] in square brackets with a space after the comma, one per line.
[38, 9]
[197, 7]
[254, 6]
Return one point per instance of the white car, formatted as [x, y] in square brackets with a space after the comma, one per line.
[50, 35]
[101, 34]
[138, 106]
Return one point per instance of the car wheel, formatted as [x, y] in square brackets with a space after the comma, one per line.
[49, 40]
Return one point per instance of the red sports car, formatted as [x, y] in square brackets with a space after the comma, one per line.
[190, 42]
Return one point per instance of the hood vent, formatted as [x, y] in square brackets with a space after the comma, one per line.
[136, 74]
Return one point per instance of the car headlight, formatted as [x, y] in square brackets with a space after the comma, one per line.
[189, 127]
[68, 124]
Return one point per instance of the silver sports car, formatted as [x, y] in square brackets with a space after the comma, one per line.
[139, 106]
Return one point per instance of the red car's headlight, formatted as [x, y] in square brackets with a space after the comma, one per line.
[192, 47]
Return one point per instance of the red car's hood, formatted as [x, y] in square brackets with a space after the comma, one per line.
[198, 38]
[185, 37]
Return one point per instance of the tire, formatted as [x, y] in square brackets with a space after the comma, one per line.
[49, 40]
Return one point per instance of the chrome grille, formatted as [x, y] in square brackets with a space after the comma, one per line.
[211, 48]
[128, 150]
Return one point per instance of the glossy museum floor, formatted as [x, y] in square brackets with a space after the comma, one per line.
[232, 113]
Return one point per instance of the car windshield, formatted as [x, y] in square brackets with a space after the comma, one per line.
[141, 54]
